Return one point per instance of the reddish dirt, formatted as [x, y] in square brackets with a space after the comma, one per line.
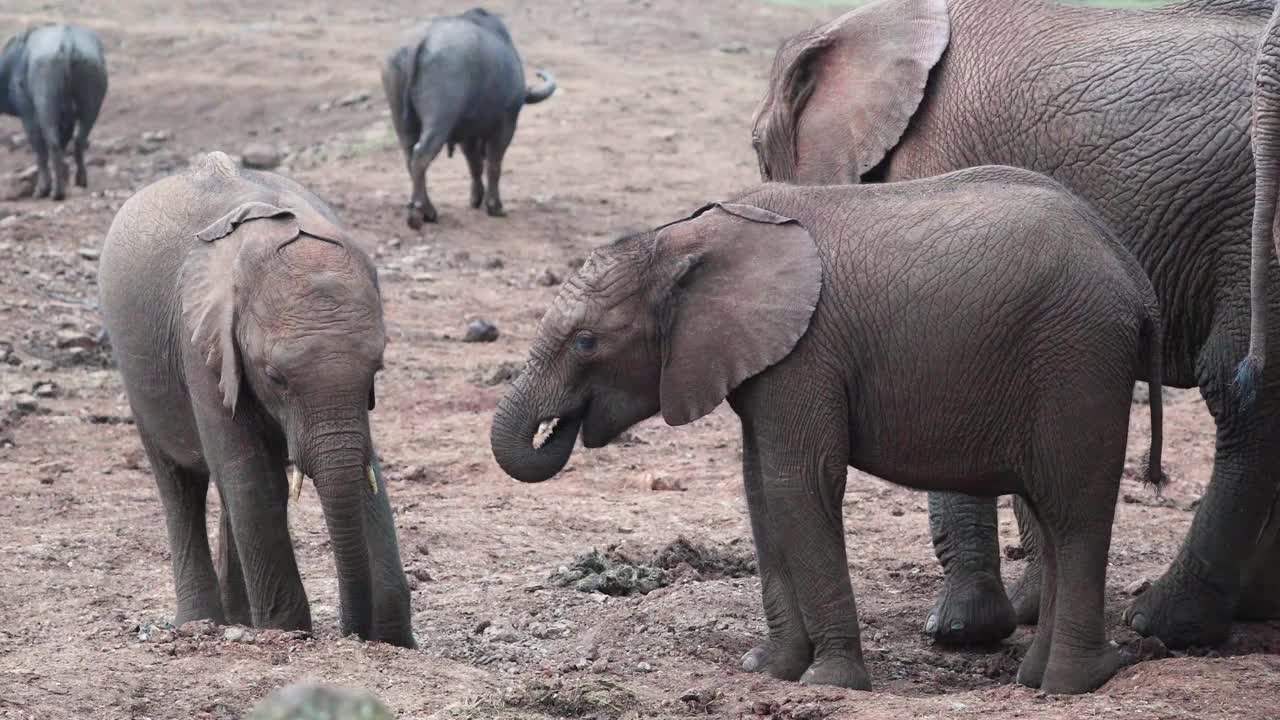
[651, 120]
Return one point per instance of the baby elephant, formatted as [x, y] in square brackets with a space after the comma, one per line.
[457, 80]
[248, 327]
[54, 78]
[977, 332]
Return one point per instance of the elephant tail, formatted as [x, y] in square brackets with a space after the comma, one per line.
[1265, 138]
[1152, 471]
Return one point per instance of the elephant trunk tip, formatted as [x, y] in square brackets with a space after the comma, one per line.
[1245, 386]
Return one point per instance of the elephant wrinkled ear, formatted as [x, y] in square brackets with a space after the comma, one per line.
[208, 313]
[850, 88]
[744, 284]
[210, 277]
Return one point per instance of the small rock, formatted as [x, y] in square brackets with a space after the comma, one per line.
[156, 137]
[1149, 648]
[1015, 552]
[1137, 587]
[502, 634]
[600, 665]
[424, 277]
[11, 220]
[261, 156]
[735, 48]
[76, 339]
[422, 574]
[897, 512]
[576, 262]
[89, 253]
[196, 628]
[480, 331]
[19, 185]
[481, 627]
[235, 634]
[644, 667]
[423, 549]
[546, 277]
[494, 263]
[505, 372]
[354, 98]
[665, 134]
[46, 390]
[662, 484]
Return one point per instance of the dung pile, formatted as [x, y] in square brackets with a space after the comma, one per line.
[614, 572]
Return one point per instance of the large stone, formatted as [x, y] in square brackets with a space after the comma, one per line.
[19, 185]
[261, 156]
[315, 701]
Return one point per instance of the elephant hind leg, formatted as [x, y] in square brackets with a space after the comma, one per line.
[183, 493]
[972, 608]
[1025, 594]
[235, 594]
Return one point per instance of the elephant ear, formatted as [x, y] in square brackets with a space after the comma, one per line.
[869, 69]
[228, 251]
[744, 283]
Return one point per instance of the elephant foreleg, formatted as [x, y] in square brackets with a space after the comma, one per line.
[787, 652]
[1261, 597]
[972, 607]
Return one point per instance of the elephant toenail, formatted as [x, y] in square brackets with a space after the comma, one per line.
[932, 624]
[751, 662]
[1139, 623]
[957, 625]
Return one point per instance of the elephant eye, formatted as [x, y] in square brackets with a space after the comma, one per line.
[275, 377]
[585, 343]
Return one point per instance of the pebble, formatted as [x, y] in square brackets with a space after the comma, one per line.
[46, 390]
[422, 574]
[157, 136]
[735, 48]
[89, 253]
[644, 667]
[76, 339]
[354, 98]
[502, 634]
[261, 156]
[236, 634]
[10, 221]
[18, 185]
[494, 263]
[480, 331]
[546, 277]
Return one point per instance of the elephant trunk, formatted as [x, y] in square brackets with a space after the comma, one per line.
[536, 95]
[338, 462]
[529, 446]
[1266, 157]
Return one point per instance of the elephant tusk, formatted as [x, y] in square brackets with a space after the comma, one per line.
[545, 429]
[373, 479]
[295, 483]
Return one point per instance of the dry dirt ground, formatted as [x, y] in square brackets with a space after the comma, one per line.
[651, 120]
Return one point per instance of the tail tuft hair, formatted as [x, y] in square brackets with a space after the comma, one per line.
[1244, 388]
[1152, 476]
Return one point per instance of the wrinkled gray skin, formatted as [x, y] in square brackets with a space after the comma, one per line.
[1144, 114]
[248, 328]
[978, 332]
[54, 78]
[458, 80]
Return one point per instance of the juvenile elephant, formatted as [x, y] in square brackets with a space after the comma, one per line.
[1145, 115]
[248, 328]
[979, 332]
[458, 80]
[54, 77]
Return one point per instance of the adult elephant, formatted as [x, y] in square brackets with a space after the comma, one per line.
[1146, 115]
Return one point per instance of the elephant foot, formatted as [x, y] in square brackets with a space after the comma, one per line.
[1031, 669]
[773, 658]
[495, 210]
[1261, 600]
[1025, 595]
[1182, 610]
[82, 179]
[420, 213]
[58, 195]
[837, 671]
[199, 612]
[971, 610]
[477, 196]
[1081, 672]
[42, 189]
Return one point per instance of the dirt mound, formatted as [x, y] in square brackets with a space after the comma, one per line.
[614, 572]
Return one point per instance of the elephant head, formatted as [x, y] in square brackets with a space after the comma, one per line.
[670, 320]
[840, 96]
[285, 310]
